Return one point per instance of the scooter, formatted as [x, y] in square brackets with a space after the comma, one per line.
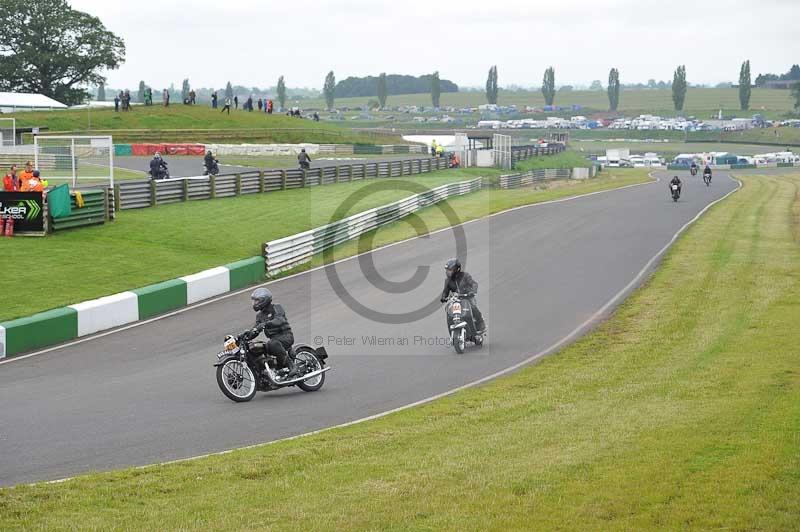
[460, 323]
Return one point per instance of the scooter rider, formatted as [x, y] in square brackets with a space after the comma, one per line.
[272, 320]
[707, 172]
[461, 282]
[303, 159]
[158, 166]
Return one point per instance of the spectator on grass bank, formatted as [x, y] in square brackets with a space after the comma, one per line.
[116, 103]
[250, 104]
[192, 97]
[126, 100]
[227, 106]
[165, 97]
[213, 99]
[236, 102]
[269, 106]
[32, 184]
[260, 104]
[10, 181]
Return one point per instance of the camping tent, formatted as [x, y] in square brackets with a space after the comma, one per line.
[20, 101]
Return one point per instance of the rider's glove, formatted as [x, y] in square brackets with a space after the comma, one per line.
[442, 300]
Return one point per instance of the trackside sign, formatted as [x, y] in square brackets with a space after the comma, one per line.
[25, 208]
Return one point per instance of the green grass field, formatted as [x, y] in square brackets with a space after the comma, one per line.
[567, 159]
[669, 148]
[150, 245]
[698, 101]
[159, 120]
[680, 412]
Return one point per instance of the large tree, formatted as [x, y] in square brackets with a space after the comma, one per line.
[382, 90]
[613, 89]
[185, 88]
[744, 86]
[796, 96]
[436, 89]
[679, 87]
[281, 90]
[491, 85]
[47, 47]
[549, 86]
[140, 94]
[329, 89]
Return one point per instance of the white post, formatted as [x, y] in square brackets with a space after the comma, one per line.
[36, 151]
[111, 159]
[72, 160]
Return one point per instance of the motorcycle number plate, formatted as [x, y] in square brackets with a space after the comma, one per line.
[230, 345]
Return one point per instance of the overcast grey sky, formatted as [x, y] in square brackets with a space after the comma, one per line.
[253, 42]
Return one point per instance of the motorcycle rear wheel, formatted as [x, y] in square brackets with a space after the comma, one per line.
[236, 380]
[314, 383]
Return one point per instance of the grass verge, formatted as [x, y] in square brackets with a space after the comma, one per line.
[151, 245]
[682, 411]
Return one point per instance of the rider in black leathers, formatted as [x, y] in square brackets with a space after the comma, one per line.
[210, 162]
[158, 167]
[272, 320]
[304, 159]
[676, 181]
[461, 282]
[707, 172]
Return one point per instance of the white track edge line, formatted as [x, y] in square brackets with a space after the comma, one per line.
[344, 259]
[566, 339]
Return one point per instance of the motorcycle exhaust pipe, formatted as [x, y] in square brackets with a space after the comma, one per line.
[271, 376]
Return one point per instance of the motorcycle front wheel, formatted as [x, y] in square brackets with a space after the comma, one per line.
[236, 380]
[313, 364]
[460, 341]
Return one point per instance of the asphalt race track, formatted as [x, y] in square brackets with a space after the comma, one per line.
[148, 393]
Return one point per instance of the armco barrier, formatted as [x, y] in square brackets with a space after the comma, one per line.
[286, 253]
[132, 194]
[68, 323]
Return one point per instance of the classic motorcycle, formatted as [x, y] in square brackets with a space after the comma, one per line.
[214, 170]
[675, 190]
[239, 378]
[460, 322]
[162, 173]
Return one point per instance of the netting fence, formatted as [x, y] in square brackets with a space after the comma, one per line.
[75, 158]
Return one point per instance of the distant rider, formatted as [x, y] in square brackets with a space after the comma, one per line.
[693, 168]
[461, 282]
[304, 159]
[707, 172]
[272, 320]
[676, 181]
[210, 162]
[158, 167]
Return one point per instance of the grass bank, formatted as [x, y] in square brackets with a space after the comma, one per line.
[150, 245]
[566, 159]
[158, 120]
[682, 411]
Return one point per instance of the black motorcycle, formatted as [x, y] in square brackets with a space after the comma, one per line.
[214, 170]
[460, 322]
[675, 190]
[707, 178]
[239, 377]
[161, 173]
[305, 165]
[693, 170]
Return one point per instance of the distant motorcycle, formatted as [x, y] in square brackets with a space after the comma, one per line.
[161, 173]
[305, 165]
[693, 170]
[675, 190]
[460, 322]
[214, 170]
[239, 378]
[707, 178]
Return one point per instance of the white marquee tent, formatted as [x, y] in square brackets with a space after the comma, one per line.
[19, 101]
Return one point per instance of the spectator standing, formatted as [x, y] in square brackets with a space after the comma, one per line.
[116, 103]
[126, 99]
[250, 104]
[192, 97]
[236, 102]
[269, 106]
[213, 99]
[32, 184]
[26, 174]
[260, 104]
[165, 97]
[10, 181]
[227, 106]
